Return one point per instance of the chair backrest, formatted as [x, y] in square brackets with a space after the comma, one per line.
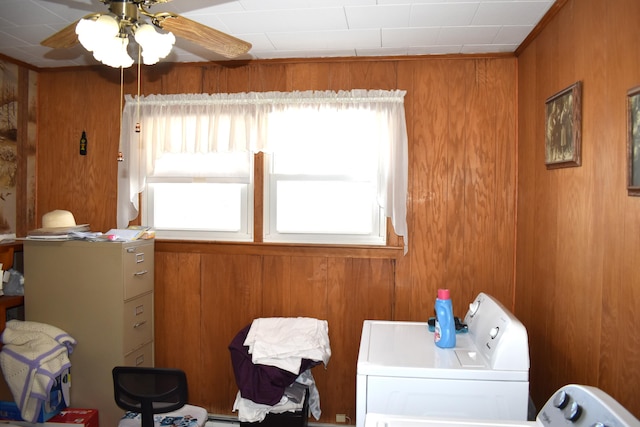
[149, 391]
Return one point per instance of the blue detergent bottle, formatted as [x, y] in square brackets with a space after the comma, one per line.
[445, 328]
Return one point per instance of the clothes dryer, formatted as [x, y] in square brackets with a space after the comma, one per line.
[401, 371]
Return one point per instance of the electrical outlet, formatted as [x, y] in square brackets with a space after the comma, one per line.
[341, 418]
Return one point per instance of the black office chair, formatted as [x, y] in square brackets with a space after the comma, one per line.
[149, 391]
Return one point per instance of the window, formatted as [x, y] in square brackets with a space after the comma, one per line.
[321, 177]
[335, 165]
[201, 197]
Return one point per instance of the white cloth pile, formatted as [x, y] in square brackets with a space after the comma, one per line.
[284, 342]
[33, 355]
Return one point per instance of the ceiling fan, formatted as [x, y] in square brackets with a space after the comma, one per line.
[127, 18]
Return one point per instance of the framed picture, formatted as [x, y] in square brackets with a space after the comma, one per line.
[633, 141]
[563, 136]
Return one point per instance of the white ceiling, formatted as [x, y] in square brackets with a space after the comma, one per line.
[295, 28]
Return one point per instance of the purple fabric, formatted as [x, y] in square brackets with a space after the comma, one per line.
[260, 383]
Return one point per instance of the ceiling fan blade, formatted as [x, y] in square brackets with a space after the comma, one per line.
[67, 37]
[64, 38]
[207, 37]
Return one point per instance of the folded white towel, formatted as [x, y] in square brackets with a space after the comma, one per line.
[33, 355]
[284, 341]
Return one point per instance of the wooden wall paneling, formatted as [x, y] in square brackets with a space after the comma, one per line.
[619, 362]
[427, 167]
[479, 192]
[530, 290]
[574, 257]
[65, 179]
[269, 77]
[211, 77]
[318, 75]
[332, 77]
[179, 78]
[597, 160]
[359, 289]
[231, 297]
[151, 80]
[24, 215]
[525, 288]
[277, 295]
[545, 204]
[237, 80]
[50, 146]
[308, 276]
[374, 75]
[583, 228]
[346, 295]
[503, 85]
[95, 202]
[22, 127]
[178, 318]
[460, 80]
[621, 296]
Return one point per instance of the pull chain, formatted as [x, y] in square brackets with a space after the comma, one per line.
[120, 155]
[138, 105]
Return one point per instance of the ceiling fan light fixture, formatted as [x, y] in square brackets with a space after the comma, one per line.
[92, 32]
[102, 37]
[114, 53]
[155, 45]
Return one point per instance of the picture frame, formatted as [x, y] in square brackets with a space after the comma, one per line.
[563, 128]
[633, 141]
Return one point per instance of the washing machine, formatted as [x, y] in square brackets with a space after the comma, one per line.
[401, 371]
[572, 405]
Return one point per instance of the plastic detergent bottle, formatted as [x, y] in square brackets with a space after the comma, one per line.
[445, 328]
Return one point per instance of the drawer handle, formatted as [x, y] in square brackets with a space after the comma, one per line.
[131, 250]
[139, 324]
[140, 273]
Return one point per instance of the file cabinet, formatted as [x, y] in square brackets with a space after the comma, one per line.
[101, 293]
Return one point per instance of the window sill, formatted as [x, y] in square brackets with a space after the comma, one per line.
[284, 249]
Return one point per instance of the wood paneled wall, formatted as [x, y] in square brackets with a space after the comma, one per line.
[578, 236]
[461, 118]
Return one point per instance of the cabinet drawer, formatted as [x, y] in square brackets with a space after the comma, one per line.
[138, 270]
[141, 357]
[138, 322]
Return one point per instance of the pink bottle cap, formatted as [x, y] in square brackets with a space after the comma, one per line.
[443, 294]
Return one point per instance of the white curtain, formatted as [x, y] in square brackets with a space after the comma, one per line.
[202, 123]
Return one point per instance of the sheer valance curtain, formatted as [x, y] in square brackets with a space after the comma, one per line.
[198, 124]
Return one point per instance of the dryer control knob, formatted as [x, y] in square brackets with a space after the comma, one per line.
[473, 308]
[561, 399]
[493, 333]
[572, 413]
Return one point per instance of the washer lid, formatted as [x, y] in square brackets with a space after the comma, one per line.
[407, 349]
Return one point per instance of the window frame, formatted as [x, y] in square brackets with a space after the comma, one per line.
[378, 236]
[246, 233]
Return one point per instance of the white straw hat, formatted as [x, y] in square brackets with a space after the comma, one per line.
[58, 219]
[58, 222]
